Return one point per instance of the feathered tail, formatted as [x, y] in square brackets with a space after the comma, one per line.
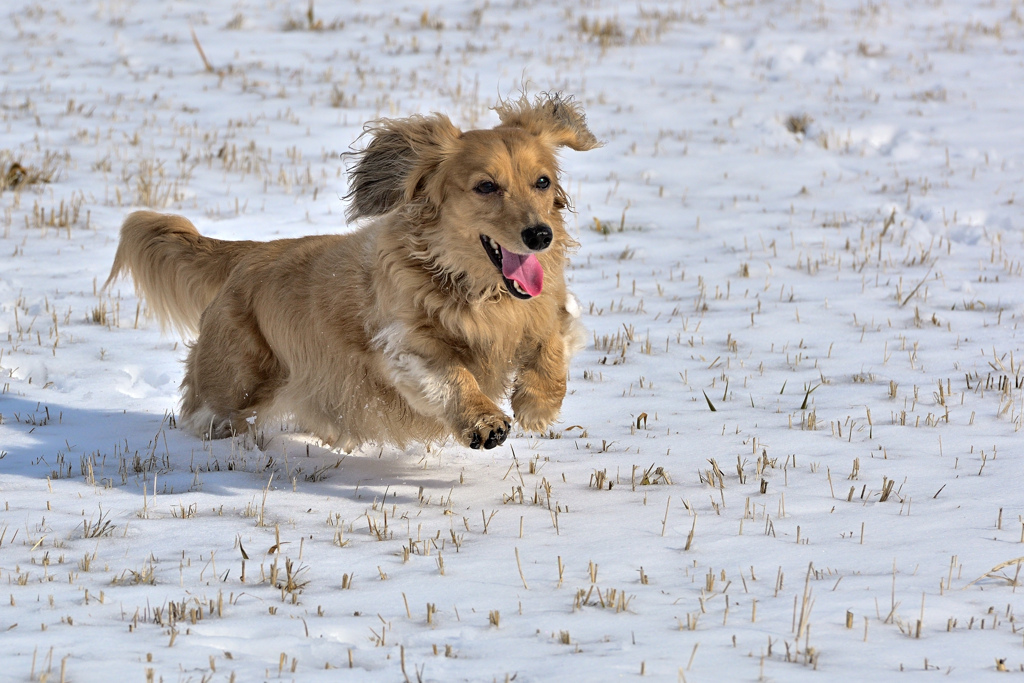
[176, 269]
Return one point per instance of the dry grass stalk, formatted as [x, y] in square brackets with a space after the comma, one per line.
[805, 605]
[991, 573]
[202, 55]
[17, 175]
[606, 33]
[797, 124]
[887, 485]
[520, 566]
[598, 480]
[689, 536]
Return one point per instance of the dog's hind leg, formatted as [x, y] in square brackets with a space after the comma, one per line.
[231, 376]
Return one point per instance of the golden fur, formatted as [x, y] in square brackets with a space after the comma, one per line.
[403, 330]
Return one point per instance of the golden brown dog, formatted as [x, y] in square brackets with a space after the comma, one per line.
[414, 327]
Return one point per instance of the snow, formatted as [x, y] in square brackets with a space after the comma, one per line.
[804, 215]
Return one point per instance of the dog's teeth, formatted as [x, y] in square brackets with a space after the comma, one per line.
[518, 287]
[494, 245]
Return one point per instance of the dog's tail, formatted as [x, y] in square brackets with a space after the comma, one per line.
[176, 269]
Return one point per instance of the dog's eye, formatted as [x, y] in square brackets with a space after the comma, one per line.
[543, 183]
[486, 187]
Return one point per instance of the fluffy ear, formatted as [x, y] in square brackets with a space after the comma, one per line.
[394, 166]
[557, 120]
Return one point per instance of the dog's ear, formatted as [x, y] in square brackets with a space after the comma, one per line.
[556, 120]
[394, 166]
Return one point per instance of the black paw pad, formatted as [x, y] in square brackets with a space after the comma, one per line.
[497, 437]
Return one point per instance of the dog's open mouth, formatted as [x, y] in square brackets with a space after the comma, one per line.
[522, 273]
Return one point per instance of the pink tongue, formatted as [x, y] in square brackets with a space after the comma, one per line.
[524, 269]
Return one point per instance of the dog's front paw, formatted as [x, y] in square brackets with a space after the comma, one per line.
[532, 422]
[488, 431]
[535, 413]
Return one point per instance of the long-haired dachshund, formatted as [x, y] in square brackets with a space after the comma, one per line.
[449, 300]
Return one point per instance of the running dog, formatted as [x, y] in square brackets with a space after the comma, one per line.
[449, 300]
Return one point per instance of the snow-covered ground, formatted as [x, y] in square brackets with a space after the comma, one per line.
[791, 450]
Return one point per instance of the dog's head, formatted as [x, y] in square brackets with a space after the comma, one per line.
[483, 207]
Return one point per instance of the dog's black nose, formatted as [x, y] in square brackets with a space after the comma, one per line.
[537, 237]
